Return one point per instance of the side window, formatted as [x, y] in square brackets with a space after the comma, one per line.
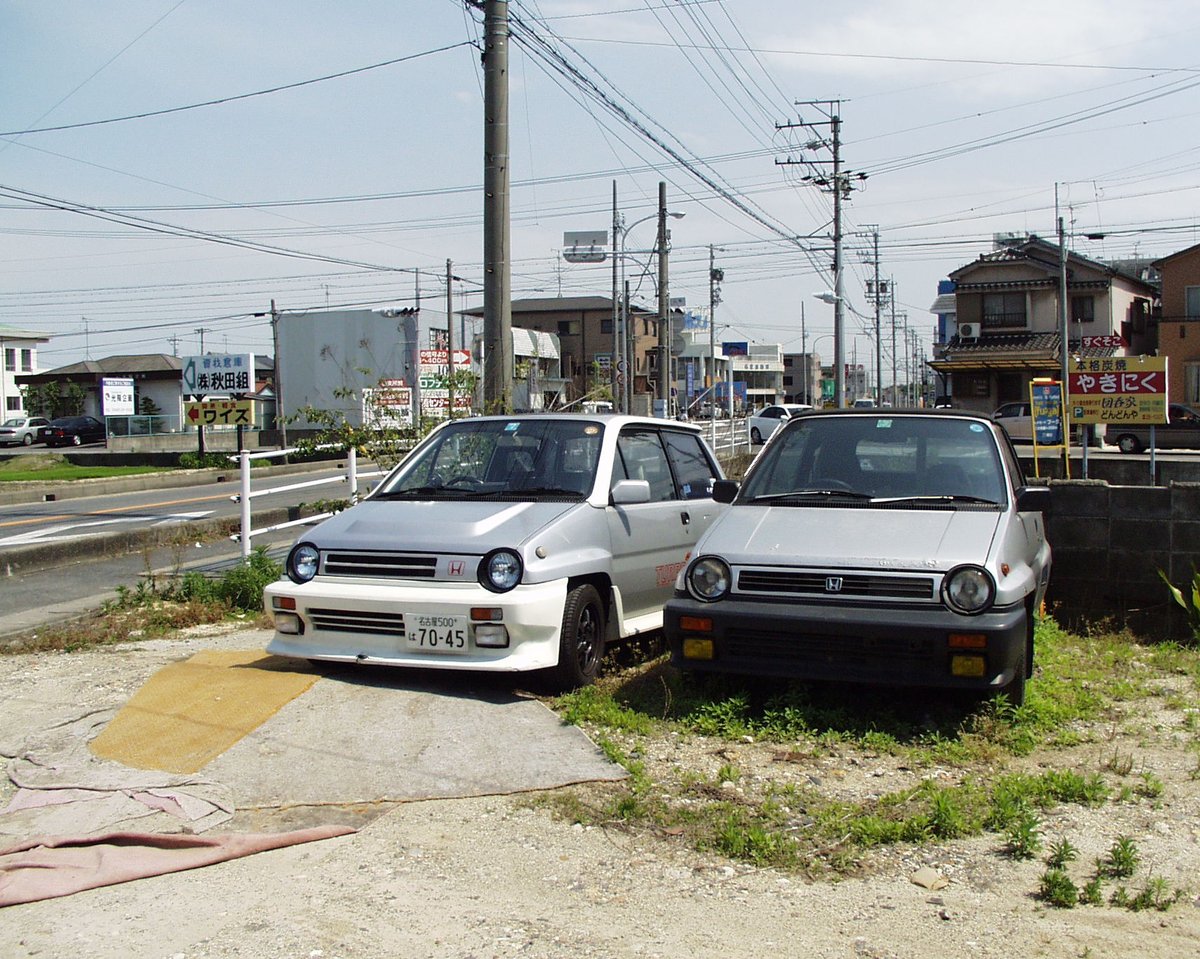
[694, 471]
[642, 457]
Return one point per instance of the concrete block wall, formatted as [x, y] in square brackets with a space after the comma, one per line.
[1109, 543]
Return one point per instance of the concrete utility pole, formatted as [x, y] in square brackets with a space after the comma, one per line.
[280, 421]
[879, 293]
[618, 349]
[497, 281]
[715, 278]
[664, 314]
[450, 340]
[1062, 338]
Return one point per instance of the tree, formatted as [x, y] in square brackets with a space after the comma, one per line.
[52, 401]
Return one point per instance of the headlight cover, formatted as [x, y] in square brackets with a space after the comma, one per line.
[969, 590]
[501, 570]
[302, 562]
[709, 579]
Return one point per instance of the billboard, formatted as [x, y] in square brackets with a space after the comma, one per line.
[1118, 389]
[117, 396]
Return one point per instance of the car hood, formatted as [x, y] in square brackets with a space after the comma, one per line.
[435, 527]
[861, 538]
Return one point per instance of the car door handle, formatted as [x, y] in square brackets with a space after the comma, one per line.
[686, 517]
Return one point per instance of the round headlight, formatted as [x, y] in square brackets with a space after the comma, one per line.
[968, 589]
[500, 570]
[302, 562]
[708, 579]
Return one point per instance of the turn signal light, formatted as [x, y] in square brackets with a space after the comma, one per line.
[283, 602]
[483, 614]
[701, 624]
[968, 641]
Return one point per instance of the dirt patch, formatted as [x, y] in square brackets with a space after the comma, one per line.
[507, 877]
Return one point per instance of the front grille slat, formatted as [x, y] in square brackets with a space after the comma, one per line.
[379, 565]
[855, 585]
[357, 621]
[809, 649]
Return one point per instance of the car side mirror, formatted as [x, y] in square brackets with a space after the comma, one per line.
[1033, 499]
[629, 491]
[723, 491]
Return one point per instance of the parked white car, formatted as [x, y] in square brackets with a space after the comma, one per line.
[900, 547]
[767, 420]
[504, 544]
[23, 430]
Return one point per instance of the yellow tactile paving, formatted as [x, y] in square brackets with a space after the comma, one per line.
[188, 713]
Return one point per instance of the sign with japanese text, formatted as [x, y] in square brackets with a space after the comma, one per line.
[219, 412]
[1118, 389]
[117, 396]
[388, 406]
[1045, 406]
[1113, 340]
[216, 373]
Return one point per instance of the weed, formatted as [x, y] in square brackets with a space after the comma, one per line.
[1058, 889]
[728, 773]
[1024, 836]
[1061, 853]
[1156, 894]
[1119, 763]
[1151, 787]
[1120, 898]
[1092, 893]
[1121, 861]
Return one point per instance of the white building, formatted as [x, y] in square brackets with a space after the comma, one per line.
[19, 348]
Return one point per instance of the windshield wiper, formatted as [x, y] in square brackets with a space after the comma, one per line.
[416, 492]
[804, 493]
[939, 498]
[545, 491]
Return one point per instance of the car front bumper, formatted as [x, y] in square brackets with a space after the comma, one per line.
[371, 623]
[890, 646]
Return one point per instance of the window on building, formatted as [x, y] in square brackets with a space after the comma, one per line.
[606, 326]
[1191, 383]
[1191, 297]
[568, 327]
[1083, 309]
[10, 359]
[1003, 309]
[26, 361]
[13, 404]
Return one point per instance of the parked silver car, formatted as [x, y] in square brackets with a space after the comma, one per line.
[23, 430]
[887, 546]
[504, 543]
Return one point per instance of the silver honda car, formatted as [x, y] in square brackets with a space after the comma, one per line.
[504, 543]
[883, 546]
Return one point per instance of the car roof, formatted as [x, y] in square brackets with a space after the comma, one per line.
[615, 419]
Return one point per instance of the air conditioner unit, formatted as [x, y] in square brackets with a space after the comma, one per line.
[968, 331]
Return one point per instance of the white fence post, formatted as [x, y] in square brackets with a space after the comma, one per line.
[352, 472]
[244, 466]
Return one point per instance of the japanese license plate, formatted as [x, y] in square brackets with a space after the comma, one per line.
[436, 634]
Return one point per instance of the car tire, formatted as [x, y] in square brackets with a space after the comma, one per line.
[581, 640]
[1128, 443]
[27, 439]
[755, 436]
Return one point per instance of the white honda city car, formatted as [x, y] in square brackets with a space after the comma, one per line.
[504, 543]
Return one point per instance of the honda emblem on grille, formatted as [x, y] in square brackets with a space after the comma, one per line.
[833, 584]
[456, 567]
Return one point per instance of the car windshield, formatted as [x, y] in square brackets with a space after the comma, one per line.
[501, 459]
[882, 459]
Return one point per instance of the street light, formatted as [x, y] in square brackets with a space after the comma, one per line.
[621, 340]
[839, 359]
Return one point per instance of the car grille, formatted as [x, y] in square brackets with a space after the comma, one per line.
[379, 565]
[811, 649]
[357, 621]
[818, 583]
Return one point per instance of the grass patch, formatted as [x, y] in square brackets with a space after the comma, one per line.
[42, 467]
[1085, 687]
[159, 606]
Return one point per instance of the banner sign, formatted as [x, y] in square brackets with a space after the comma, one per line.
[1118, 389]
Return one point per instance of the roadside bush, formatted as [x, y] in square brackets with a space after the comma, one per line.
[242, 587]
[207, 461]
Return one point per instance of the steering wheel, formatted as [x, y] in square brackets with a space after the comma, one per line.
[462, 481]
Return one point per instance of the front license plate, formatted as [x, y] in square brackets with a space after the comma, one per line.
[436, 634]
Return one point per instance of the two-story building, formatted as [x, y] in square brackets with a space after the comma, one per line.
[1008, 321]
[1179, 323]
[19, 349]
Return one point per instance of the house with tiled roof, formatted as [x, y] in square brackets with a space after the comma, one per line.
[1007, 320]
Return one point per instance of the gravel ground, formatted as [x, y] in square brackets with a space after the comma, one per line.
[502, 877]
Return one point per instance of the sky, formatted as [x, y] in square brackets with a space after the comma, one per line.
[168, 168]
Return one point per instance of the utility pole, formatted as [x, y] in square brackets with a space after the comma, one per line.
[449, 340]
[892, 289]
[1062, 337]
[664, 315]
[715, 278]
[839, 184]
[877, 294]
[618, 344]
[497, 288]
[201, 330]
[804, 395]
[280, 419]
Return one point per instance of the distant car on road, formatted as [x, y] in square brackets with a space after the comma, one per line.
[75, 431]
[23, 430]
[767, 420]
[1181, 432]
[899, 547]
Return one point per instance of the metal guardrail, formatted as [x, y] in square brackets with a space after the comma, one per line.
[245, 494]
